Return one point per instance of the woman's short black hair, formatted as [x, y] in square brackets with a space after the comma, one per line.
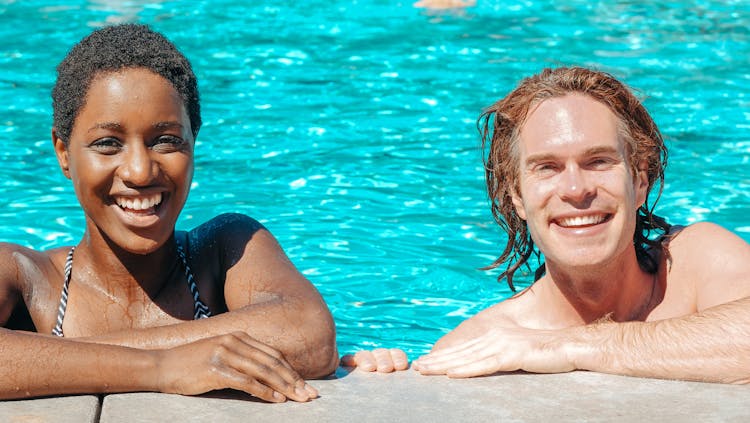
[114, 48]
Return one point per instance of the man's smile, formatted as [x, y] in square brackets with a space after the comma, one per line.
[582, 221]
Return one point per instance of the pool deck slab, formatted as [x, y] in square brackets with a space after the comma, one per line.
[410, 397]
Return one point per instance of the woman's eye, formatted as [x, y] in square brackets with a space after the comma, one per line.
[168, 143]
[106, 145]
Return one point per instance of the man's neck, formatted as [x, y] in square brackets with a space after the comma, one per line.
[619, 290]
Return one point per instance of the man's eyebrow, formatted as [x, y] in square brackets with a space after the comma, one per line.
[603, 149]
[541, 157]
[593, 151]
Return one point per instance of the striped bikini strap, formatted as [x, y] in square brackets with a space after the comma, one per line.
[58, 330]
[201, 309]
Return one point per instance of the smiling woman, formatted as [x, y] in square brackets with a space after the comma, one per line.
[136, 305]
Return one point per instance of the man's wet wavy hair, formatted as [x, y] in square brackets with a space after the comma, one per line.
[111, 49]
[499, 126]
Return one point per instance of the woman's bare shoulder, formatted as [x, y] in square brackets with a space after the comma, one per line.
[19, 264]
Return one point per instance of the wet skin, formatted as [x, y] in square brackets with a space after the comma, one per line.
[130, 158]
[578, 195]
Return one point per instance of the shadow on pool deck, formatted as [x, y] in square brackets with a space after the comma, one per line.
[409, 397]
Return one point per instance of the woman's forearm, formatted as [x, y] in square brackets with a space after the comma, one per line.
[61, 366]
[303, 333]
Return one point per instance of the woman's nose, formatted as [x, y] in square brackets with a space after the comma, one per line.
[137, 168]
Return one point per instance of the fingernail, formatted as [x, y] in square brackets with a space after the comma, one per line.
[301, 392]
[312, 392]
[279, 396]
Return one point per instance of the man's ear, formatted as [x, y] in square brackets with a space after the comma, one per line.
[61, 151]
[518, 204]
[641, 183]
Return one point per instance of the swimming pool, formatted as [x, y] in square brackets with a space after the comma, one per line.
[348, 129]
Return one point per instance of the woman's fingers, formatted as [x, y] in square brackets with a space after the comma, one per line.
[234, 361]
[268, 367]
[381, 360]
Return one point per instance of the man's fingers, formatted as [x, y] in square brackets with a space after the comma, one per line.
[400, 360]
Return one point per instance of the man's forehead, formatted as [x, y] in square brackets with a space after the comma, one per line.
[572, 122]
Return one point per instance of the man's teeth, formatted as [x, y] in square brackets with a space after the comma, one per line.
[138, 203]
[582, 220]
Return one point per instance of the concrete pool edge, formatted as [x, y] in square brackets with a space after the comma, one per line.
[407, 396]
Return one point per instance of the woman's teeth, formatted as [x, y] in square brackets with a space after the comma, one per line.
[139, 203]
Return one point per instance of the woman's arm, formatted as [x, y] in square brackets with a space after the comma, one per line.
[63, 366]
[267, 298]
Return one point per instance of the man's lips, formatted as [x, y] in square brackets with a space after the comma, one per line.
[582, 220]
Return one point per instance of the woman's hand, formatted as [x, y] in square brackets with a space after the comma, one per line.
[234, 361]
[381, 360]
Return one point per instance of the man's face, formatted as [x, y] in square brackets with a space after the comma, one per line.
[577, 193]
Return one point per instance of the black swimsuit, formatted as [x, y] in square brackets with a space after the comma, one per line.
[201, 309]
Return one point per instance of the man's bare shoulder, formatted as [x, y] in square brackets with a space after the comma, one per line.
[710, 261]
[505, 313]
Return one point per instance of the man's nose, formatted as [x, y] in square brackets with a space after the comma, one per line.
[576, 186]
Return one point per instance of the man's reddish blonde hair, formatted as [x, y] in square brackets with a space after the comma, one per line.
[499, 126]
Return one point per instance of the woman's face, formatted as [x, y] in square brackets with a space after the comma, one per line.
[130, 157]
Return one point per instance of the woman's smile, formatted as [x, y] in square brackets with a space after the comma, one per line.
[130, 157]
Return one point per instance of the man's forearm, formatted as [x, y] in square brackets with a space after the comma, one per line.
[711, 346]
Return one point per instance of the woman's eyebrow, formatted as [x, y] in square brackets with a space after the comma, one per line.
[168, 125]
[112, 126]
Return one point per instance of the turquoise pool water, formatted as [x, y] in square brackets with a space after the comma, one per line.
[348, 129]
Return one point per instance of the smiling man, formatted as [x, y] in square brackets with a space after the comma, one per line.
[573, 156]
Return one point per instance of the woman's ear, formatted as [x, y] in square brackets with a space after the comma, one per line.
[61, 151]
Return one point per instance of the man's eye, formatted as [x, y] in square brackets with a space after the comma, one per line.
[600, 163]
[545, 168]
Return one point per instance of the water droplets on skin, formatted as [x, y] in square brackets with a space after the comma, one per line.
[350, 132]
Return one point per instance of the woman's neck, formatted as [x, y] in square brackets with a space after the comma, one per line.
[102, 262]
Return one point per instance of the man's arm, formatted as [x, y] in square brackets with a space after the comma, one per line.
[709, 266]
[710, 346]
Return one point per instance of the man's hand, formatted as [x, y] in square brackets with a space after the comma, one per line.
[381, 360]
[499, 350]
[234, 361]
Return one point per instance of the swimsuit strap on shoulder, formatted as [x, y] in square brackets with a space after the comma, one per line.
[201, 309]
[58, 331]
